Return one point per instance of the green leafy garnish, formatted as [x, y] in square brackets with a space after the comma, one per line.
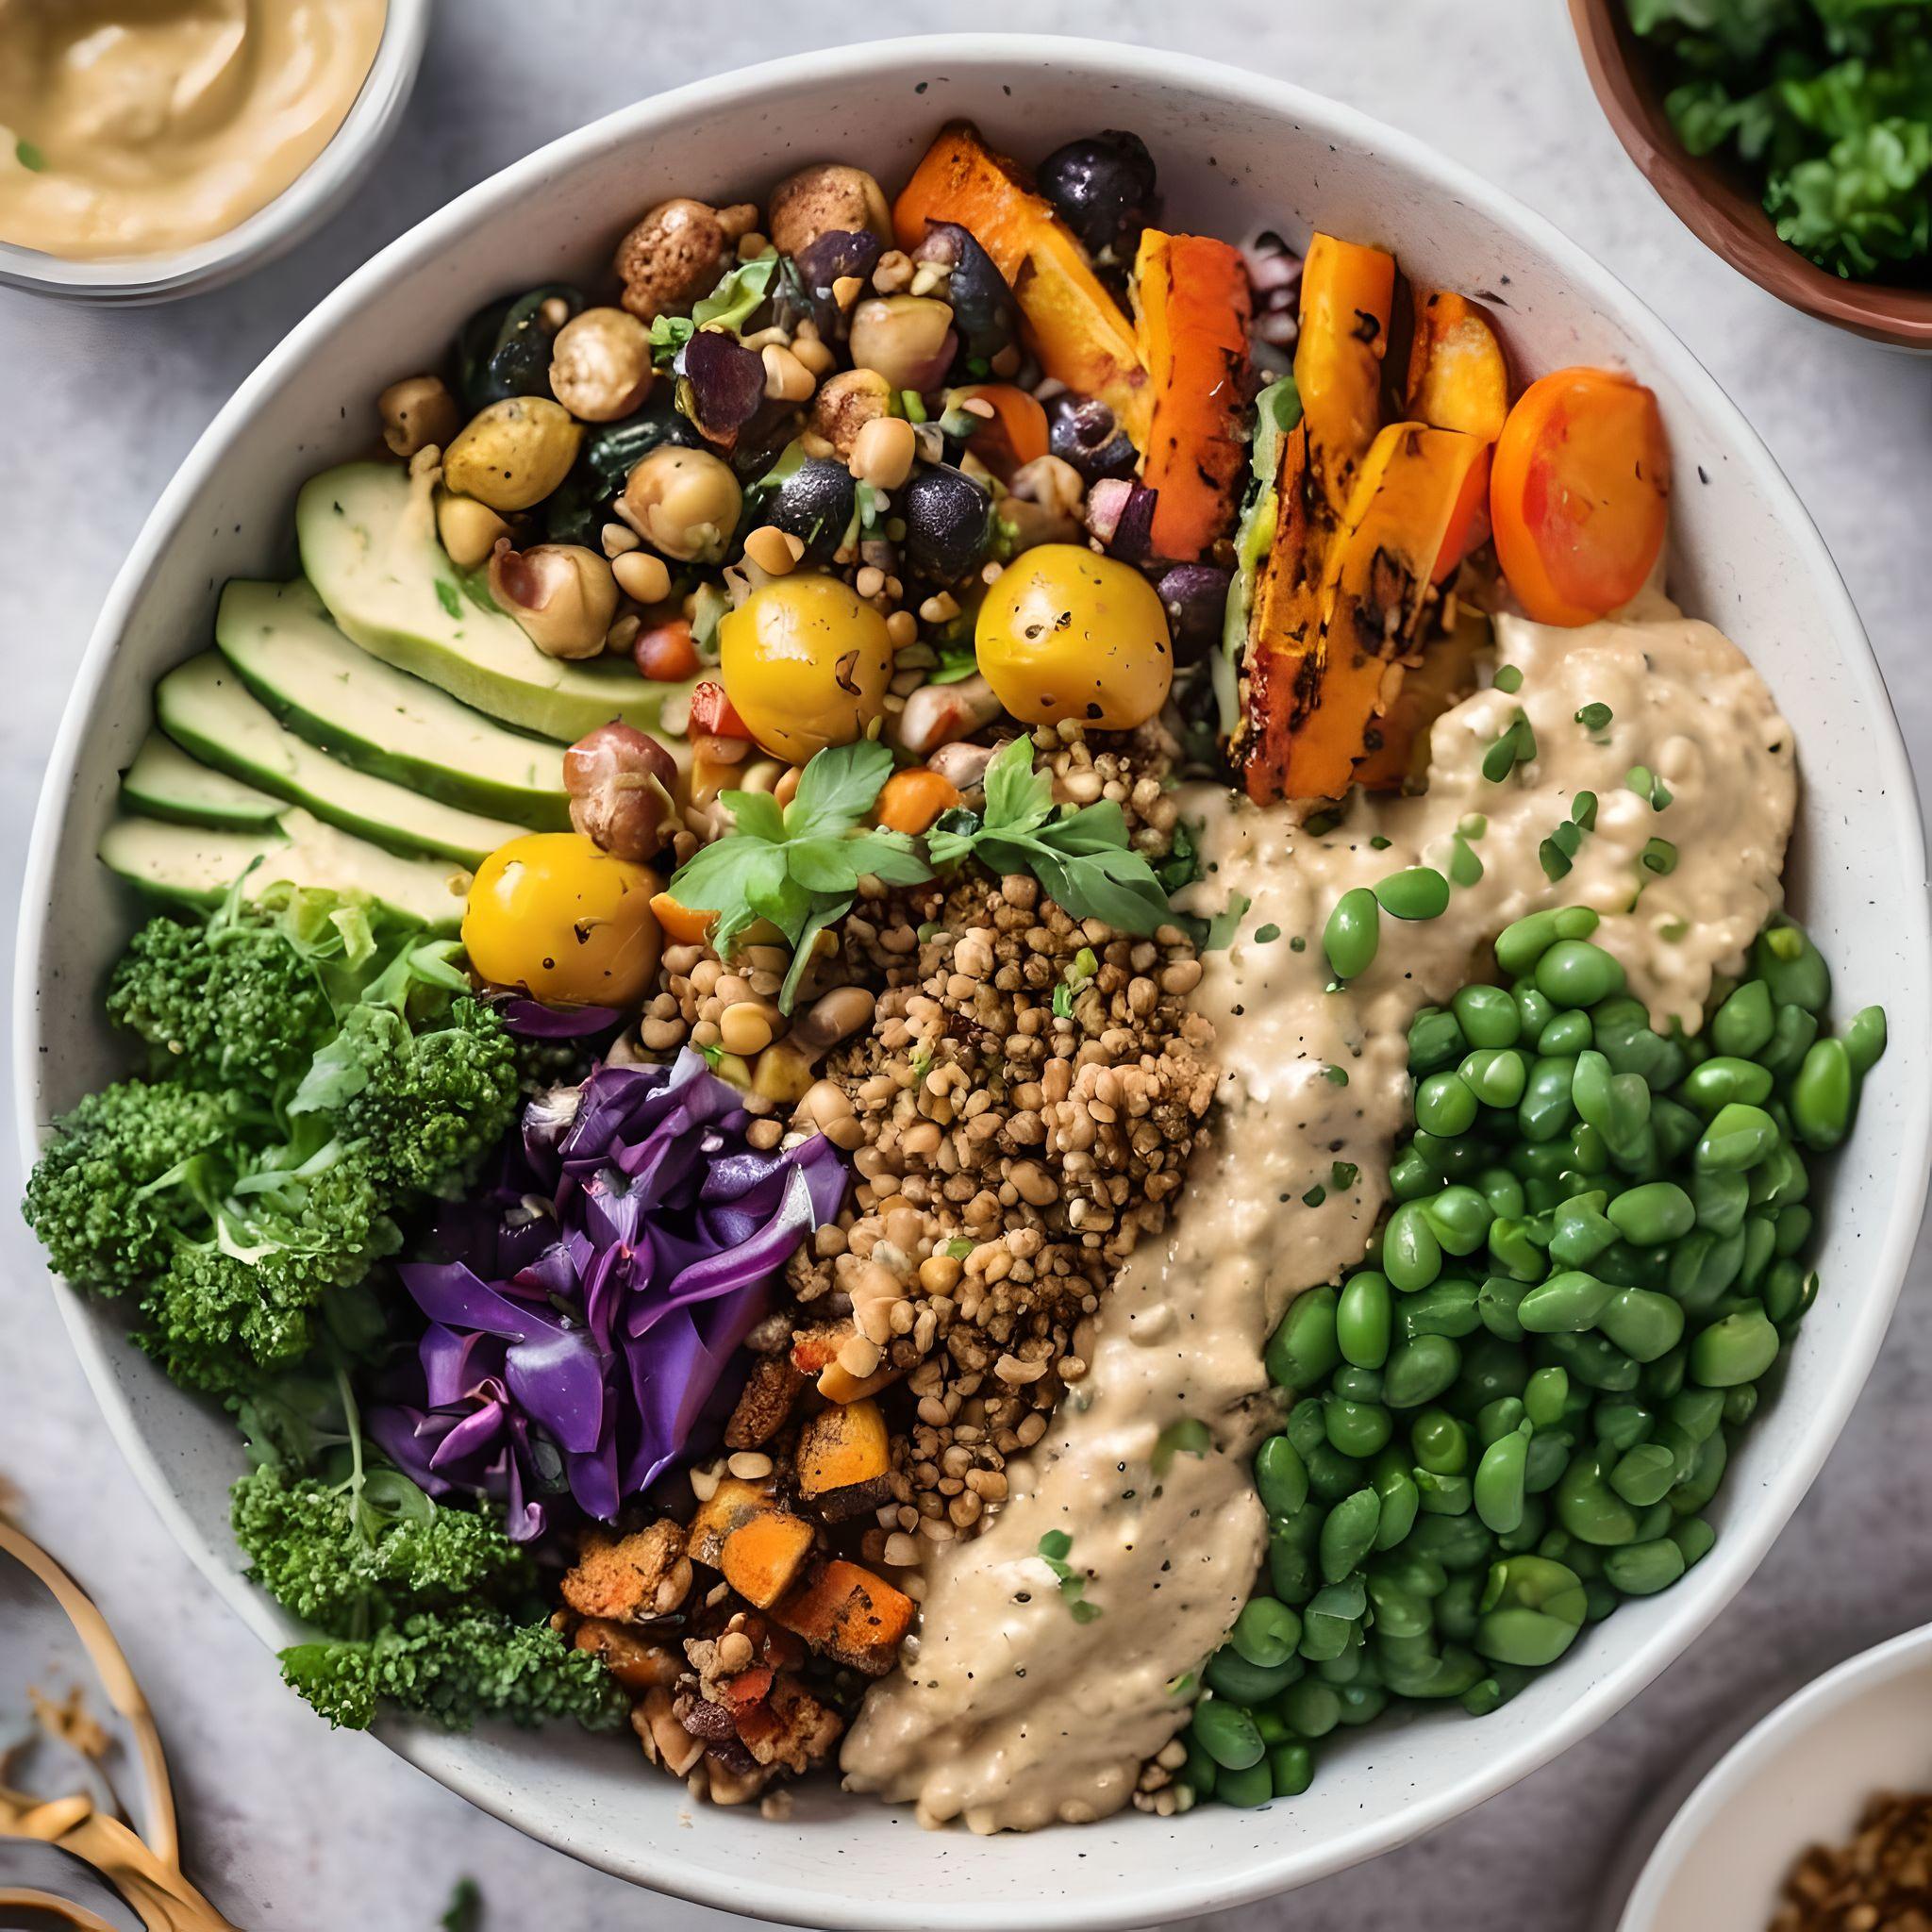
[29, 157]
[1185, 1436]
[1595, 717]
[956, 661]
[1054, 1548]
[799, 865]
[447, 596]
[728, 306]
[465, 1910]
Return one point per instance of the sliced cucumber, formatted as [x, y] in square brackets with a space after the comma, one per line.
[369, 546]
[165, 783]
[206, 710]
[197, 865]
[368, 715]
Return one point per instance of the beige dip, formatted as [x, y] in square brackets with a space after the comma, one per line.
[141, 126]
[1011, 1714]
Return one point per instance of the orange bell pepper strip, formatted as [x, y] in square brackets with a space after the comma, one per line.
[1348, 292]
[1458, 378]
[1193, 304]
[1398, 737]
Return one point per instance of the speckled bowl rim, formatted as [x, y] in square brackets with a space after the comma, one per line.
[758, 1887]
[1704, 194]
[291, 218]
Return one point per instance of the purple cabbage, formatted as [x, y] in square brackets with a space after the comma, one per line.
[721, 384]
[594, 1293]
[532, 1020]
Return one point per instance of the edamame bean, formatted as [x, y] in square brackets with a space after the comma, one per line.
[1438, 1442]
[1443, 1496]
[1512, 1251]
[1400, 1498]
[1788, 1292]
[1531, 1007]
[1357, 1384]
[1411, 1256]
[1794, 1229]
[1418, 891]
[1653, 1213]
[1420, 1370]
[1676, 1128]
[1488, 1016]
[1362, 1319]
[1411, 1177]
[1444, 1104]
[1502, 1191]
[1357, 1430]
[1865, 1039]
[1498, 1486]
[1455, 1158]
[1642, 1324]
[1226, 1733]
[1742, 1025]
[1229, 1674]
[1520, 945]
[1332, 1471]
[1697, 1412]
[1695, 1538]
[1580, 1230]
[1245, 1790]
[1435, 1040]
[1643, 1474]
[1738, 1348]
[1586, 1505]
[1643, 1569]
[1740, 1405]
[1719, 1200]
[1496, 1075]
[1546, 1109]
[1618, 1422]
[1824, 1094]
[1566, 1303]
[1593, 1360]
[1706, 1473]
[1267, 1633]
[1794, 969]
[1311, 1708]
[1543, 1397]
[1349, 1533]
[1573, 972]
[1531, 1611]
[1720, 1079]
[1303, 1350]
[1446, 1306]
[1291, 1770]
[1459, 1219]
[1567, 1033]
[1353, 933]
[1281, 1476]
[1791, 1039]
[1738, 1137]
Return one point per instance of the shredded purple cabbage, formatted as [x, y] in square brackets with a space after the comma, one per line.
[595, 1291]
[531, 1019]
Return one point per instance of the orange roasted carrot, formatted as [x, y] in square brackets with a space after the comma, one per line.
[1193, 304]
[911, 800]
[1347, 294]
[1013, 435]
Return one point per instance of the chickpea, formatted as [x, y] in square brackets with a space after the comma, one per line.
[678, 252]
[619, 779]
[908, 338]
[827, 198]
[470, 530]
[683, 502]
[940, 714]
[600, 366]
[417, 412]
[806, 664]
[563, 596]
[846, 404]
[513, 454]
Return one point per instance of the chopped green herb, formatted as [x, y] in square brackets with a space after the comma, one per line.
[1319, 823]
[464, 1912]
[1595, 717]
[1055, 1545]
[1516, 745]
[448, 596]
[1063, 1001]
[1080, 1609]
[1569, 836]
[1267, 935]
[1472, 825]
[959, 1247]
[1315, 1196]
[1660, 795]
[1465, 868]
[29, 157]
[1335, 1077]
[1378, 843]
[1583, 809]
[1184, 1437]
[1555, 860]
[956, 661]
[1646, 784]
[1297, 944]
[1508, 677]
[1659, 855]
[1217, 933]
[1182, 1686]
[1344, 1175]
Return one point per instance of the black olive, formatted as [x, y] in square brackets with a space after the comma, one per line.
[1194, 595]
[827, 259]
[948, 524]
[1103, 188]
[814, 504]
[575, 511]
[984, 310]
[1082, 431]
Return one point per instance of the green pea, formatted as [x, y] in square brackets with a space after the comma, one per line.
[1270, 1723]
[1357, 1430]
[1567, 1033]
[1531, 1007]
[1740, 1348]
[1790, 1041]
[1643, 1474]
[1501, 1416]
[1291, 1569]
[1676, 1128]
[1789, 1292]
[1435, 1040]
[1291, 1770]
[1400, 1611]
[1532, 1609]
[1226, 1733]
[1719, 1200]
[1420, 1370]
[1566, 1303]
[1779, 1178]
[1493, 1692]
[1706, 1473]
[1245, 1789]
[1824, 1094]
[1652, 1214]
[1643, 1569]
[1230, 1674]
[1865, 1039]
[1742, 1025]
[1444, 1104]
[1303, 1351]
[1580, 1230]
[1502, 1191]
[1697, 1412]
[1443, 1496]
[1458, 1542]
[1513, 1252]
[1446, 1306]
[1794, 969]
[1399, 1497]
[1760, 1241]
[1281, 1476]
[1418, 891]
[1703, 1267]
[1619, 1423]
[1332, 1471]
[1660, 1380]
[1200, 1773]
[1349, 1533]
[1488, 1016]
[1593, 1360]
[1543, 1396]
[1496, 1075]
[1590, 1155]
[1411, 1177]
[1362, 1319]
[1521, 944]
[1498, 1486]
[1642, 1324]
[1496, 1304]
[1267, 1633]
[1738, 1137]
[1586, 1505]
[1353, 933]
[1792, 1230]
[1459, 1219]
[1695, 1538]
[1411, 1256]
[1740, 1405]
[1455, 1158]
[1489, 1368]
[1304, 1426]
[1546, 1109]
[1722, 1080]
[1573, 972]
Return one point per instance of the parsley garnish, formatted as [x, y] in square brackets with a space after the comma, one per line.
[29, 157]
[1054, 1547]
[1081, 856]
[799, 866]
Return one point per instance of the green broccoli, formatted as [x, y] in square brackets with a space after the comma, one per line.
[120, 1178]
[453, 1668]
[350, 1556]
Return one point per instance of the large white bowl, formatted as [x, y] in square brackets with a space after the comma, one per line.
[1237, 153]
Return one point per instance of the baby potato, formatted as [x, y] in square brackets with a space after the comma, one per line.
[806, 664]
[514, 453]
[1066, 632]
[555, 914]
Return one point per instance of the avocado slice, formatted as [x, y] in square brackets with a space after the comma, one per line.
[165, 783]
[368, 536]
[196, 865]
[206, 710]
[368, 715]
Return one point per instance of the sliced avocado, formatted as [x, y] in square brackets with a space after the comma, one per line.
[369, 546]
[197, 865]
[366, 713]
[165, 783]
[1278, 409]
[205, 708]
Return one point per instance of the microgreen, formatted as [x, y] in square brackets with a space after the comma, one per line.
[729, 305]
[1186, 1435]
[29, 157]
[1659, 855]
[1595, 717]
[1054, 1547]
[446, 595]
[1516, 747]
[956, 661]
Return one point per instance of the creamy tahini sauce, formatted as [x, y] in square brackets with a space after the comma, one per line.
[139, 127]
[1011, 1714]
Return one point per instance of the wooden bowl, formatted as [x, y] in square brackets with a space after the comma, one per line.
[1720, 204]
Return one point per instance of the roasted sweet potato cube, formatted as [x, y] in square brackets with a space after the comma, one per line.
[765, 1556]
[765, 1402]
[732, 1503]
[789, 1727]
[634, 1663]
[852, 1616]
[628, 1578]
[844, 1460]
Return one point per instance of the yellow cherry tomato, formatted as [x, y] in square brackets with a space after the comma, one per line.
[805, 661]
[1067, 633]
[558, 915]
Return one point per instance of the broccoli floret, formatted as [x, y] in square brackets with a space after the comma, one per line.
[114, 1184]
[327, 1552]
[229, 1006]
[454, 1669]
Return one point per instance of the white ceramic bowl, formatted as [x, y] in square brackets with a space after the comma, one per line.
[292, 217]
[1237, 152]
[1801, 1775]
